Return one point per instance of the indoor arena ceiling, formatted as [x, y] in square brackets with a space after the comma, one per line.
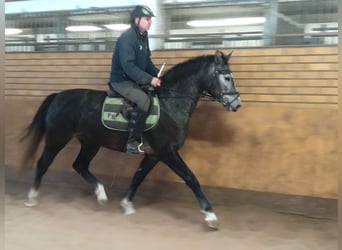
[179, 12]
[320, 10]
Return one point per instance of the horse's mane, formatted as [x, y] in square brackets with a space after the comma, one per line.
[186, 68]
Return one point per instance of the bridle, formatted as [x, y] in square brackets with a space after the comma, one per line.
[207, 96]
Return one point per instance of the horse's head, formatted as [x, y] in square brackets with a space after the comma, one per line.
[222, 86]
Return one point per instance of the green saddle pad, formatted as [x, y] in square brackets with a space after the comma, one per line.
[113, 111]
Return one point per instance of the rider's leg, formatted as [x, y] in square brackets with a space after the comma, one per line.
[136, 128]
[139, 113]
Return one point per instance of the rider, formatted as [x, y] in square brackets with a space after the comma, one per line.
[133, 68]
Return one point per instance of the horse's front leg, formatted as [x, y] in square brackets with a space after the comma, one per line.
[144, 168]
[176, 163]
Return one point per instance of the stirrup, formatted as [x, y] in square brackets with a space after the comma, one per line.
[141, 151]
[136, 149]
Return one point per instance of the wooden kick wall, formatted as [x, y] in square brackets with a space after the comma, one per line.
[283, 139]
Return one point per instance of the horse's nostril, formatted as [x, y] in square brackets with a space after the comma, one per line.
[237, 107]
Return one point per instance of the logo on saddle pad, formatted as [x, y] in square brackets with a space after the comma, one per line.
[115, 114]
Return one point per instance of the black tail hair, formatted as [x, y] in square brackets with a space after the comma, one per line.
[34, 134]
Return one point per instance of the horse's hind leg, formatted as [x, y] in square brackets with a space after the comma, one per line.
[49, 153]
[144, 168]
[81, 166]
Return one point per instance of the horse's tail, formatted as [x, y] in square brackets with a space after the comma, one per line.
[34, 133]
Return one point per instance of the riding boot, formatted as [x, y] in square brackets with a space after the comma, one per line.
[136, 128]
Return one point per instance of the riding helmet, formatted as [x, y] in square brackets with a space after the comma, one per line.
[140, 11]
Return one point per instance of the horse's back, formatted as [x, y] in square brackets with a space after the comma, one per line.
[74, 105]
[80, 97]
[82, 93]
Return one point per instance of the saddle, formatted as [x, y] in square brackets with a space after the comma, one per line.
[116, 111]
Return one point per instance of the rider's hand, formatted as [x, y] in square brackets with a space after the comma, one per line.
[155, 82]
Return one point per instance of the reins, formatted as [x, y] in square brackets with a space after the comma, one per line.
[151, 90]
[205, 96]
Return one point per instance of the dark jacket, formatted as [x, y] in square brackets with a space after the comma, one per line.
[132, 58]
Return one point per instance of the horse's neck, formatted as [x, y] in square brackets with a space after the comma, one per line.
[180, 101]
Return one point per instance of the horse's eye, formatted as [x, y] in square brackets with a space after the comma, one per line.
[227, 77]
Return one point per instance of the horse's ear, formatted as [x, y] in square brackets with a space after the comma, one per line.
[227, 57]
[219, 57]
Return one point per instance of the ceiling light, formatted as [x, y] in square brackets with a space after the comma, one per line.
[227, 22]
[177, 38]
[117, 26]
[12, 31]
[82, 28]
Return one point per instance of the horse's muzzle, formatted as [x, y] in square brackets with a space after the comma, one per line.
[236, 108]
[231, 102]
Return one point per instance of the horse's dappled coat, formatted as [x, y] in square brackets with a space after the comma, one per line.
[77, 113]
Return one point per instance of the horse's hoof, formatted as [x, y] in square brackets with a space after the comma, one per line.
[101, 195]
[127, 207]
[213, 224]
[211, 220]
[32, 198]
[31, 202]
[102, 202]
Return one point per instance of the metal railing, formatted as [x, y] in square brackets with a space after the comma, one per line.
[294, 23]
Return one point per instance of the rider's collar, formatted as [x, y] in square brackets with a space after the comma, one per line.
[139, 33]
